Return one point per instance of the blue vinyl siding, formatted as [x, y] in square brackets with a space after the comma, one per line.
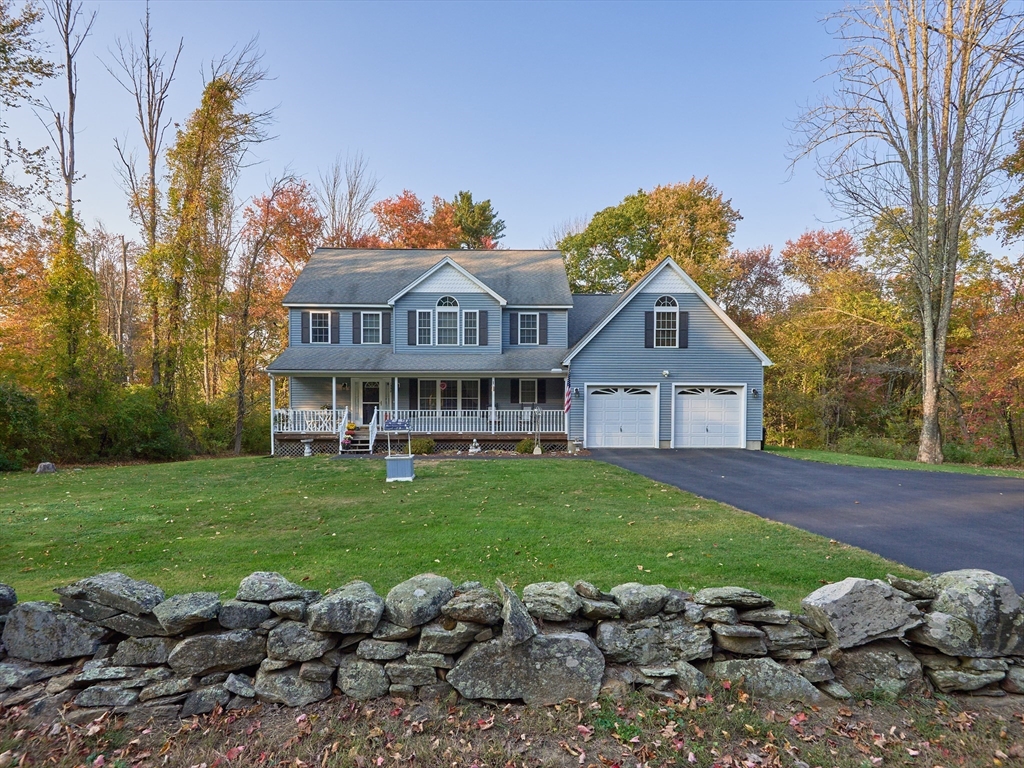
[428, 301]
[315, 392]
[345, 338]
[558, 326]
[714, 356]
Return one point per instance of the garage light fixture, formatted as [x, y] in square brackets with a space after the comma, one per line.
[755, 393]
[665, 374]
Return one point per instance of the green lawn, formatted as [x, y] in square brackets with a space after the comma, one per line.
[853, 460]
[203, 525]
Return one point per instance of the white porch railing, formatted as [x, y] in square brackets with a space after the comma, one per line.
[525, 421]
[310, 420]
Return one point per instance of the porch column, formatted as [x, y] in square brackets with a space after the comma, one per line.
[565, 413]
[273, 415]
[394, 403]
[493, 407]
[334, 402]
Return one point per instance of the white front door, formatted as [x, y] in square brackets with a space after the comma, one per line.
[622, 417]
[708, 417]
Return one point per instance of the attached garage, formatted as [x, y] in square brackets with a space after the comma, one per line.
[621, 416]
[708, 417]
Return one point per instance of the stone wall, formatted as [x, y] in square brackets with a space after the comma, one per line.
[115, 643]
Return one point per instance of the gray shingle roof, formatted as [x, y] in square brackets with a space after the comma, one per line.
[368, 276]
[338, 359]
[587, 310]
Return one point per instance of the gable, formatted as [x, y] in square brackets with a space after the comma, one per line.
[447, 280]
[667, 281]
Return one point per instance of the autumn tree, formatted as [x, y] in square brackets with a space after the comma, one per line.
[478, 223]
[403, 222]
[815, 254]
[926, 99]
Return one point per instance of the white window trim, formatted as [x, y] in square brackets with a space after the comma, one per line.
[522, 400]
[536, 329]
[430, 327]
[380, 328]
[328, 316]
[674, 313]
[437, 324]
[476, 314]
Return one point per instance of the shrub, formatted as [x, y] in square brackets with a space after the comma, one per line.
[422, 445]
[140, 429]
[877, 447]
[20, 428]
[525, 445]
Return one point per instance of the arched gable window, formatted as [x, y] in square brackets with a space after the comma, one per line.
[447, 321]
[666, 322]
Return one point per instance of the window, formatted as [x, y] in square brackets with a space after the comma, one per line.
[449, 394]
[470, 325]
[470, 395]
[424, 335]
[320, 327]
[428, 395]
[447, 322]
[528, 390]
[528, 328]
[666, 322]
[371, 327]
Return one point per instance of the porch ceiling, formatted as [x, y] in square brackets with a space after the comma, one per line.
[331, 359]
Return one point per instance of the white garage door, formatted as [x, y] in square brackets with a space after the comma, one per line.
[708, 417]
[622, 417]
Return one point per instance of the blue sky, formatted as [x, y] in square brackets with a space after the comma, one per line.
[551, 110]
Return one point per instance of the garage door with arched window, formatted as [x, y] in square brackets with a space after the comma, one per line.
[622, 417]
[708, 417]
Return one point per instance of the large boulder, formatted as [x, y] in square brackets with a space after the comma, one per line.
[238, 614]
[294, 641]
[287, 687]
[638, 601]
[551, 600]
[855, 611]
[267, 587]
[182, 612]
[418, 600]
[116, 591]
[653, 640]
[352, 609]
[887, 667]
[975, 613]
[361, 679]
[546, 669]
[519, 626]
[479, 606]
[43, 632]
[218, 652]
[735, 597]
[768, 678]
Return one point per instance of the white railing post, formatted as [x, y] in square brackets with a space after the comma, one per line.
[273, 415]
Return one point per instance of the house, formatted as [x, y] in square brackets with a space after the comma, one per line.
[493, 346]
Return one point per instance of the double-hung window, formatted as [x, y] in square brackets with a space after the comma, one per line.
[371, 327]
[470, 328]
[447, 322]
[424, 329]
[666, 322]
[428, 394]
[320, 327]
[529, 328]
[528, 391]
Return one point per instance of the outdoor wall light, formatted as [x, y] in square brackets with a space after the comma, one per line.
[575, 391]
[665, 374]
[755, 393]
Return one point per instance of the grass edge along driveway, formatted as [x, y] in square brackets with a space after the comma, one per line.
[855, 460]
[205, 524]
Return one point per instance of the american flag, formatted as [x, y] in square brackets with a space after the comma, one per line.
[568, 396]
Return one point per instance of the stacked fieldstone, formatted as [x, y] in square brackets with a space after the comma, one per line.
[115, 643]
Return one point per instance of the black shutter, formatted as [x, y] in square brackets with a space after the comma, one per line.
[513, 396]
[385, 327]
[481, 333]
[542, 390]
[485, 393]
[357, 327]
[513, 329]
[304, 330]
[684, 330]
[649, 330]
[542, 332]
[335, 327]
[414, 394]
[413, 328]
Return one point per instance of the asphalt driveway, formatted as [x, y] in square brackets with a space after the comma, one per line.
[933, 521]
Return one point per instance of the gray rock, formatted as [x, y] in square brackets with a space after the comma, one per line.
[638, 601]
[768, 678]
[240, 685]
[546, 669]
[551, 600]
[204, 700]
[143, 651]
[8, 599]
[217, 652]
[387, 631]
[135, 626]
[438, 691]
[381, 650]
[1014, 681]
[17, 674]
[294, 641]
[43, 632]
[88, 610]
[267, 587]
[589, 591]
[484, 635]
[835, 690]
[116, 591]
[886, 666]
[653, 641]
[855, 611]
[949, 680]
[361, 679]
[466, 586]
[479, 606]
[677, 601]
[974, 613]
[180, 613]
[435, 638]
[46, 468]
[418, 600]
[817, 670]
[172, 687]
[919, 589]
[106, 674]
[316, 671]
[600, 609]
[722, 615]
[778, 616]
[354, 608]
[937, 661]
[519, 626]
[215, 678]
[791, 637]
[288, 688]
[238, 614]
[106, 696]
[737, 597]
[985, 665]
[402, 691]
[290, 609]
[688, 678]
[740, 638]
[401, 673]
[437, 660]
[273, 665]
